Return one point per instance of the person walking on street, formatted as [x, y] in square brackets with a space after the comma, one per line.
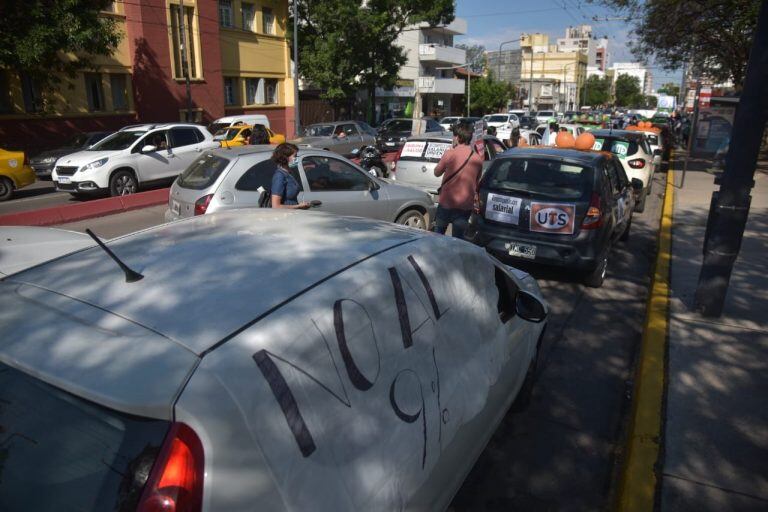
[285, 188]
[460, 168]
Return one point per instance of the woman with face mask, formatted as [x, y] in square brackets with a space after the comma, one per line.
[285, 188]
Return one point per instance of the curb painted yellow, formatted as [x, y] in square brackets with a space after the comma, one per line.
[638, 477]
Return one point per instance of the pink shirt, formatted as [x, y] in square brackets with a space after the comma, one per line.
[460, 192]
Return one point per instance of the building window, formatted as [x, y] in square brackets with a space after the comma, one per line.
[270, 87]
[248, 17]
[225, 13]
[94, 91]
[268, 20]
[5, 93]
[119, 86]
[189, 43]
[30, 91]
[230, 90]
[254, 91]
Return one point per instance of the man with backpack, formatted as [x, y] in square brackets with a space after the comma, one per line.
[460, 168]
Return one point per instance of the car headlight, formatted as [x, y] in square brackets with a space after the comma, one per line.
[403, 139]
[95, 165]
[47, 160]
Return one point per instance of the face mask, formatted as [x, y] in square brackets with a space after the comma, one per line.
[292, 163]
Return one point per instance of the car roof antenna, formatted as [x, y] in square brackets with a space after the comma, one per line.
[131, 276]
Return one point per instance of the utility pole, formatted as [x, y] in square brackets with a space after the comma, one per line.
[185, 59]
[296, 116]
[530, 83]
[730, 205]
[683, 86]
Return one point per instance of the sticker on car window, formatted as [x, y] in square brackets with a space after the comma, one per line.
[598, 145]
[436, 149]
[503, 208]
[553, 218]
[413, 148]
[620, 149]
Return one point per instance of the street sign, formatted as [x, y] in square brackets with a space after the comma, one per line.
[704, 97]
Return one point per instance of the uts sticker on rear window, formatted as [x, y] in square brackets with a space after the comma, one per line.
[553, 218]
[413, 148]
[503, 208]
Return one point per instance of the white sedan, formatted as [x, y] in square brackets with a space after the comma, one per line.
[262, 360]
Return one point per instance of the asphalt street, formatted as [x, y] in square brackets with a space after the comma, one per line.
[565, 450]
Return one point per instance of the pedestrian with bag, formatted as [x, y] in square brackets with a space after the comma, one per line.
[285, 189]
[460, 168]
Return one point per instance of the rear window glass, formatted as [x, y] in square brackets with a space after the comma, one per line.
[424, 150]
[498, 119]
[540, 177]
[619, 147]
[653, 139]
[59, 452]
[203, 172]
[399, 126]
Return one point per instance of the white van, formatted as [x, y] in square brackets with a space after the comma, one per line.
[226, 122]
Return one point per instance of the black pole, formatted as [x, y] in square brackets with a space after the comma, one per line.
[730, 206]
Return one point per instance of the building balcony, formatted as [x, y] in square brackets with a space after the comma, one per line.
[457, 27]
[441, 54]
[432, 85]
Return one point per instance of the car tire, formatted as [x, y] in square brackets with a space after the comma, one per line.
[625, 235]
[640, 206]
[122, 183]
[596, 277]
[6, 189]
[523, 398]
[412, 218]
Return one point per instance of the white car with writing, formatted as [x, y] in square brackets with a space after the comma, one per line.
[262, 360]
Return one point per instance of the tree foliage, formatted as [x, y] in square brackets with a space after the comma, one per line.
[628, 93]
[489, 95]
[37, 35]
[670, 89]
[345, 45]
[475, 56]
[596, 91]
[650, 101]
[715, 36]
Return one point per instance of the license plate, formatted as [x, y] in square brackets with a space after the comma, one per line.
[389, 143]
[522, 250]
[175, 207]
[65, 179]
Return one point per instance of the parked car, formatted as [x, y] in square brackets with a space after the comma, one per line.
[240, 134]
[14, 173]
[415, 165]
[504, 121]
[127, 160]
[528, 122]
[22, 247]
[448, 122]
[226, 122]
[341, 137]
[543, 116]
[394, 132]
[573, 129]
[43, 163]
[267, 361]
[231, 179]
[656, 142]
[634, 154]
[559, 207]
[531, 137]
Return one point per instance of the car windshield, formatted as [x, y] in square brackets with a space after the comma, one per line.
[319, 130]
[59, 451]
[367, 128]
[76, 141]
[217, 127]
[448, 120]
[117, 141]
[203, 172]
[541, 177]
[618, 146]
[229, 133]
[498, 119]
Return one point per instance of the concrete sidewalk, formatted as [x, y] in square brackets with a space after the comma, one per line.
[716, 433]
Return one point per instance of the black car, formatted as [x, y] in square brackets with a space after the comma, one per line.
[43, 163]
[559, 207]
[394, 132]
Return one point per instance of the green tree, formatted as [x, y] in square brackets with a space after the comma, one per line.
[714, 36]
[650, 101]
[489, 95]
[596, 91]
[47, 38]
[628, 92]
[670, 89]
[346, 45]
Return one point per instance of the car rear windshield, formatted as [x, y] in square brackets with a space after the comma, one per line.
[60, 452]
[541, 177]
[203, 172]
[399, 126]
[319, 130]
[117, 141]
[425, 150]
[498, 119]
[618, 146]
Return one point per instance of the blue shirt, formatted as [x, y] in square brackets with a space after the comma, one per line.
[285, 186]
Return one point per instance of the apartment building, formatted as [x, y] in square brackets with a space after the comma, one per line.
[635, 69]
[556, 75]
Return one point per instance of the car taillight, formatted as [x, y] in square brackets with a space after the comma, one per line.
[201, 205]
[637, 163]
[594, 217]
[175, 483]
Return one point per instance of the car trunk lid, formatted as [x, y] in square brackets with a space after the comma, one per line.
[417, 162]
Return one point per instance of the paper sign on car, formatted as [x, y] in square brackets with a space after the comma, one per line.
[621, 149]
[598, 145]
[477, 137]
[413, 148]
[503, 208]
[556, 218]
[436, 149]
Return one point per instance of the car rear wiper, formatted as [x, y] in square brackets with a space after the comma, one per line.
[131, 276]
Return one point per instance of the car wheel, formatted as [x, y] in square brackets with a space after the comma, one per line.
[412, 218]
[6, 189]
[123, 183]
[596, 277]
[523, 398]
[640, 206]
[625, 234]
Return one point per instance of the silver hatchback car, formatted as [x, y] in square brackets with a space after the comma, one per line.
[228, 179]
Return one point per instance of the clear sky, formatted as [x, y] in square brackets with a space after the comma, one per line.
[489, 22]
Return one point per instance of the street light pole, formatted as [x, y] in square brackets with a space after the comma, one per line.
[530, 84]
[296, 114]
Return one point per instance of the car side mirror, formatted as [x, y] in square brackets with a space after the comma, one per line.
[149, 148]
[529, 307]
[637, 184]
[372, 185]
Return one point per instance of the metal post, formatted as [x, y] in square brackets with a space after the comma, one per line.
[296, 114]
[469, 90]
[730, 206]
[692, 132]
[683, 83]
[185, 59]
[530, 84]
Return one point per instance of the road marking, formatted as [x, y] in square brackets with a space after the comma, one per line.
[49, 195]
[638, 478]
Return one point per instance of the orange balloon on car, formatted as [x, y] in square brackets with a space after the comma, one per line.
[565, 140]
[585, 141]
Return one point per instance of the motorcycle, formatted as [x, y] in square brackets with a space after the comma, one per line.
[370, 160]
